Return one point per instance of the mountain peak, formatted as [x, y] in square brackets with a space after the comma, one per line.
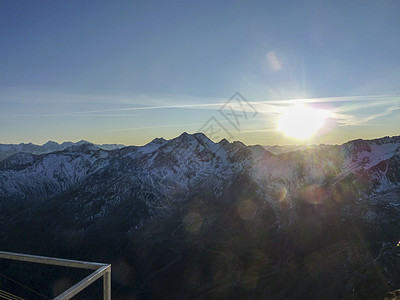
[158, 141]
[223, 141]
[50, 144]
[185, 135]
[358, 146]
[200, 135]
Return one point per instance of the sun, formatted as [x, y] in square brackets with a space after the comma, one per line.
[301, 121]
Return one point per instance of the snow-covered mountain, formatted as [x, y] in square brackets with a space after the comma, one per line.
[6, 150]
[190, 195]
[174, 171]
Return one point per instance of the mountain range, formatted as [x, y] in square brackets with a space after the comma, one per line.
[190, 218]
[7, 150]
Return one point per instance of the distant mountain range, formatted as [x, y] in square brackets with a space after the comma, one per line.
[189, 218]
[6, 150]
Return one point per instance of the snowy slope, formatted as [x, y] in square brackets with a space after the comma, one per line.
[27, 176]
[172, 171]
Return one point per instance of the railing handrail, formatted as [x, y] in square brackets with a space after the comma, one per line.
[100, 270]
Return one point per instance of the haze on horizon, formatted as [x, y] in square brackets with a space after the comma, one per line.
[127, 72]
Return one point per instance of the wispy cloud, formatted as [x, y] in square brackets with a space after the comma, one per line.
[357, 106]
[28, 96]
[151, 127]
[192, 106]
[387, 112]
[332, 99]
[266, 106]
[351, 120]
[66, 115]
[74, 115]
[346, 110]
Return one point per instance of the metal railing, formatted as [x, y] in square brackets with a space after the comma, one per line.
[100, 270]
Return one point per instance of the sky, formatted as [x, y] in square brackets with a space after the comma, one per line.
[127, 72]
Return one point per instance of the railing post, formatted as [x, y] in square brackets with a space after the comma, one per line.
[107, 284]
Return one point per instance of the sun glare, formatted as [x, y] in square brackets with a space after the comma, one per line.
[301, 122]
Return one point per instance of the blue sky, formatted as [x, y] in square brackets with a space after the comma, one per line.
[130, 71]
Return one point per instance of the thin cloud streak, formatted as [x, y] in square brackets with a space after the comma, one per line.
[89, 115]
[151, 127]
[202, 106]
[271, 104]
[22, 95]
[66, 115]
[359, 106]
[340, 113]
[387, 112]
[52, 97]
[351, 120]
[331, 99]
